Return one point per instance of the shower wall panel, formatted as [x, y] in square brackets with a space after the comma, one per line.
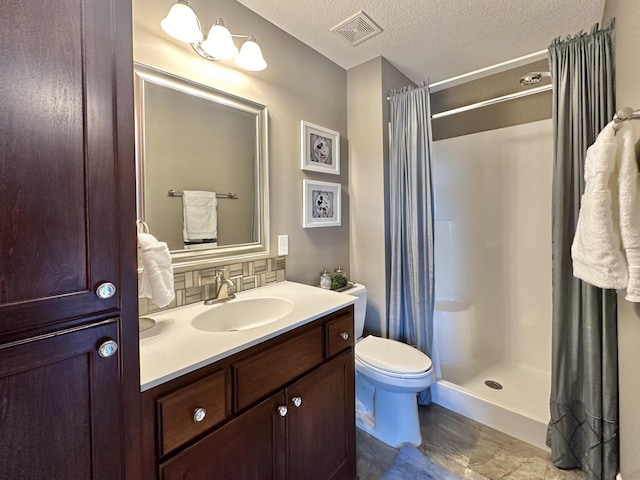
[493, 238]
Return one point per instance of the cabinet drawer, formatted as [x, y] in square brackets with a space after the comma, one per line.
[261, 374]
[177, 411]
[335, 331]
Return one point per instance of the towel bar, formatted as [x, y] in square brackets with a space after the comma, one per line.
[233, 196]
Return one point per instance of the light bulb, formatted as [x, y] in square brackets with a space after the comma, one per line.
[219, 43]
[182, 23]
[250, 57]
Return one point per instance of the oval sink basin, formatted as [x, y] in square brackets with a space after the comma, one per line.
[242, 314]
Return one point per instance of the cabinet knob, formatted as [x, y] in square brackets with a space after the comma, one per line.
[199, 414]
[282, 410]
[107, 349]
[344, 335]
[106, 290]
[297, 401]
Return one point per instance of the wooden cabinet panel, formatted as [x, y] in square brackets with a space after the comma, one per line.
[60, 416]
[321, 431]
[336, 330]
[176, 411]
[58, 190]
[250, 447]
[261, 374]
[67, 217]
[313, 439]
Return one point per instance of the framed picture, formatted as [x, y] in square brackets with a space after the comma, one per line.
[321, 204]
[320, 149]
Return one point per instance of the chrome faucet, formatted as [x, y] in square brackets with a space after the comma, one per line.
[220, 289]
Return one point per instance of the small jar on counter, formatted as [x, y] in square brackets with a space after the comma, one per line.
[339, 279]
[325, 280]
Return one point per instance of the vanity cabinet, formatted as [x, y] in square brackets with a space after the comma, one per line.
[60, 419]
[321, 419]
[67, 217]
[251, 446]
[290, 407]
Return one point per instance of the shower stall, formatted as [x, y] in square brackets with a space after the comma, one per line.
[492, 321]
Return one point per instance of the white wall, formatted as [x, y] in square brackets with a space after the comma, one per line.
[298, 84]
[493, 194]
[627, 15]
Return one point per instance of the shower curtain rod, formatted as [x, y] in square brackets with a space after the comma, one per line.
[490, 70]
[492, 101]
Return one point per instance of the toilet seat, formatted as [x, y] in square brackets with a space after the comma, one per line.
[392, 358]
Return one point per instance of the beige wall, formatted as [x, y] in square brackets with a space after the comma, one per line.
[367, 88]
[298, 84]
[627, 15]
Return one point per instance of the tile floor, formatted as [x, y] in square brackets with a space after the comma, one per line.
[465, 447]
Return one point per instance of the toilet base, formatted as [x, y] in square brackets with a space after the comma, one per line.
[396, 419]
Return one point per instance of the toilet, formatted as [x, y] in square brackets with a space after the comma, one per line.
[389, 375]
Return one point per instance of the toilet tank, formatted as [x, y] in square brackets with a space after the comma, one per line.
[360, 307]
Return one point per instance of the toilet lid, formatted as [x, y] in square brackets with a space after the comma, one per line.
[391, 355]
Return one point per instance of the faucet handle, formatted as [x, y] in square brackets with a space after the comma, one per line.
[220, 273]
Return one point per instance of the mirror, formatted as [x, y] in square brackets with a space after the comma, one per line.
[191, 137]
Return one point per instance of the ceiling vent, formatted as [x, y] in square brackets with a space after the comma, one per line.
[357, 29]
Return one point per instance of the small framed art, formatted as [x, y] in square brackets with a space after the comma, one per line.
[321, 204]
[320, 149]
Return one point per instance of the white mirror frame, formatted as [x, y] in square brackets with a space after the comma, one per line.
[188, 259]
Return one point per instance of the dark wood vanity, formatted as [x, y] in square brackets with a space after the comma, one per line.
[283, 409]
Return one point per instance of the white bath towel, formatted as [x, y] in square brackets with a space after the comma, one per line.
[200, 215]
[157, 270]
[596, 251]
[629, 201]
[606, 247]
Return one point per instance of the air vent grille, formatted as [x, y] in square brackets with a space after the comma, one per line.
[357, 29]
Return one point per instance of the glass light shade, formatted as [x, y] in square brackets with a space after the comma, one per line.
[250, 57]
[182, 23]
[219, 43]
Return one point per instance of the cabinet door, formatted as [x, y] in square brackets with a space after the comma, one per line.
[250, 447]
[58, 162]
[321, 433]
[59, 417]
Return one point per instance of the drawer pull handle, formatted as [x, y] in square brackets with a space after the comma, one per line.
[282, 410]
[344, 335]
[106, 290]
[199, 414]
[297, 401]
[107, 349]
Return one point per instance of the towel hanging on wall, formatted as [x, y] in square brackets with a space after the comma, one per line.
[157, 270]
[200, 215]
[606, 246]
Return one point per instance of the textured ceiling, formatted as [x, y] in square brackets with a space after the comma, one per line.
[433, 39]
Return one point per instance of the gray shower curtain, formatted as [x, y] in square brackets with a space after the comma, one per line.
[583, 431]
[411, 292]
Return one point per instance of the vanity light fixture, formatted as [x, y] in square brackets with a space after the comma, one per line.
[183, 24]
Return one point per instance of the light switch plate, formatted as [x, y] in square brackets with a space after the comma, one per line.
[283, 244]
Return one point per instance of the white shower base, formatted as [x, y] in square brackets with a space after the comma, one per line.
[520, 409]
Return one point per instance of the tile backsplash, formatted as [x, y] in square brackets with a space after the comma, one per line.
[193, 286]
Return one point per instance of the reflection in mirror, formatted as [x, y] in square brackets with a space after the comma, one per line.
[192, 138]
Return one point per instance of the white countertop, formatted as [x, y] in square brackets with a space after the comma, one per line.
[173, 347]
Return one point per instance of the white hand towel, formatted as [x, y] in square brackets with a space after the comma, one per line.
[629, 200]
[157, 270]
[200, 215]
[597, 252]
